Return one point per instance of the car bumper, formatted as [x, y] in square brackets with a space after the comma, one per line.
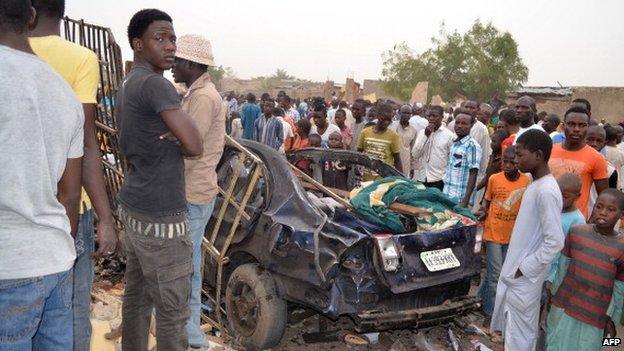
[417, 317]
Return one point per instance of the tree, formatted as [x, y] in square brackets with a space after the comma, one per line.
[282, 74]
[476, 64]
[218, 73]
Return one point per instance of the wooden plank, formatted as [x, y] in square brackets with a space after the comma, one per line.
[318, 186]
[395, 206]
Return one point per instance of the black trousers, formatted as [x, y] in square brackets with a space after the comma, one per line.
[439, 184]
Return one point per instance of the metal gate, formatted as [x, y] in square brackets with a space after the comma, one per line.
[100, 40]
[211, 247]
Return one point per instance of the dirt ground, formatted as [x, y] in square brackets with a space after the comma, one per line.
[106, 316]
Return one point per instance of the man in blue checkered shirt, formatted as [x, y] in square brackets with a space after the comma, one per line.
[464, 161]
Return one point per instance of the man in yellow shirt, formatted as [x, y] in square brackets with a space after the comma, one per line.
[79, 67]
[380, 142]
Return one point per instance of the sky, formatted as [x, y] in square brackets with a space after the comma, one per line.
[571, 42]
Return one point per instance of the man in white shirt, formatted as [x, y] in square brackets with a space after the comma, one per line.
[525, 114]
[322, 126]
[536, 238]
[287, 131]
[407, 137]
[416, 120]
[289, 110]
[614, 155]
[430, 153]
[42, 147]
[350, 120]
[331, 112]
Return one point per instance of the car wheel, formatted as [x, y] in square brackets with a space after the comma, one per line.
[254, 309]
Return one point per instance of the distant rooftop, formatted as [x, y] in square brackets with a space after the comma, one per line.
[557, 91]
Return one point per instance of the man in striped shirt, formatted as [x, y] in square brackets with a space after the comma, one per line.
[268, 129]
[464, 161]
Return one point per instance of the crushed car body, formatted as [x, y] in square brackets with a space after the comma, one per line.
[322, 255]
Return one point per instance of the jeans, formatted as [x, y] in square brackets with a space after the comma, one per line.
[35, 313]
[83, 281]
[158, 275]
[198, 216]
[495, 256]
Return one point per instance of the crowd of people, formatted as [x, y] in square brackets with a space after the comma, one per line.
[547, 188]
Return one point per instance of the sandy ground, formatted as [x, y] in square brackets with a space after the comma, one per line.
[106, 316]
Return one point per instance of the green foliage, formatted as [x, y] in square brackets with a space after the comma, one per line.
[282, 74]
[476, 64]
[218, 73]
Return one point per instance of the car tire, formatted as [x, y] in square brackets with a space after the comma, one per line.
[255, 311]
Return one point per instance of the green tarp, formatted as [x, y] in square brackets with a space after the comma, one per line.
[444, 211]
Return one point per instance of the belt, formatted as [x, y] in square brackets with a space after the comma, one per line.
[169, 230]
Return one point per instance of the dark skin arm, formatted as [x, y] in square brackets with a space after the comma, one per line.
[397, 161]
[601, 184]
[69, 191]
[472, 180]
[483, 211]
[93, 181]
[488, 172]
[483, 182]
[183, 132]
[610, 329]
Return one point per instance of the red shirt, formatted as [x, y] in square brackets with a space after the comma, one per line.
[596, 261]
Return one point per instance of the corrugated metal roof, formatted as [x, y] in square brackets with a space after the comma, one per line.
[565, 91]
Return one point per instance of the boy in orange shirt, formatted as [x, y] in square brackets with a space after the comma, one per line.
[500, 208]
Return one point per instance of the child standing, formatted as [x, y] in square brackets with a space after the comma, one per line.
[335, 173]
[495, 162]
[589, 283]
[535, 240]
[340, 118]
[501, 205]
[301, 137]
[570, 186]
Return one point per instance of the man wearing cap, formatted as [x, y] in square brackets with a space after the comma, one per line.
[204, 104]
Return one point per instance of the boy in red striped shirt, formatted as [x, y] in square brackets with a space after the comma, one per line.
[589, 284]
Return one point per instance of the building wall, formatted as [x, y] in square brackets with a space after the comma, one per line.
[371, 86]
[294, 90]
[607, 102]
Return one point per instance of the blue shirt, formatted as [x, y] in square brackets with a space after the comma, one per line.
[465, 155]
[269, 132]
[558, 138]
[568, 219]
[249, 115]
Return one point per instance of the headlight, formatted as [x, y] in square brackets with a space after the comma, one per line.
[388, 251]
[478, 239]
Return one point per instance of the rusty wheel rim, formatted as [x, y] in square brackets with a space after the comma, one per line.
[245, 308]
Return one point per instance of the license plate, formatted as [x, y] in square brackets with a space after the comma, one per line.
[438, 260]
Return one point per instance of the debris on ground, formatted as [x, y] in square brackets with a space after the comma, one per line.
[467, 332]
[110, 269]
[398, 346]
[478, 346]
[422, 344]
[473, 329]
[453, 340]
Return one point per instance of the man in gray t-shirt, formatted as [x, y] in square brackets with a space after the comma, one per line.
[154, 135]
[41, 137]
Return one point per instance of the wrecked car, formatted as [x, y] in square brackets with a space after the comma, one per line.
[295, 243]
